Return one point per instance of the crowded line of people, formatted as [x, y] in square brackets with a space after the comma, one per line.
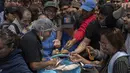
[92, 34]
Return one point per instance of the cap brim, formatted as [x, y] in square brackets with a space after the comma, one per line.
[50, 6]
[86, 8]
[67, 26]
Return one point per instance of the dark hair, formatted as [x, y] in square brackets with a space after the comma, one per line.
[101, 2]
[27, 1]
[35, 11]
[112, 0]
[106, 9]
[10, 39]
[115, 37]
[64, 3]
[13, 10]
[23, 9]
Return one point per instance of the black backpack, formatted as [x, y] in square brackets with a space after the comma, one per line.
[6, 25]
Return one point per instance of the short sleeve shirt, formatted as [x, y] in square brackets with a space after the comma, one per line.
[93, 33]
[31, 47]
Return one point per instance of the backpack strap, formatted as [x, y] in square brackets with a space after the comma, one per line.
[113, 59]
[16, 28]
[4, 25]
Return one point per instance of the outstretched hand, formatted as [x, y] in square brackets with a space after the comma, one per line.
[76, 58]
[57, 43]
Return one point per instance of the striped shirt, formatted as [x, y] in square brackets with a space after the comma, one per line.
[121, 65]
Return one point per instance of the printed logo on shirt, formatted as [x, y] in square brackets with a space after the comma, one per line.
[67, 20]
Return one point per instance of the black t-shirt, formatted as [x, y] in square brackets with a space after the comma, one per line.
[31, 47]
[94, 28]
[93, 33]
[110, 21]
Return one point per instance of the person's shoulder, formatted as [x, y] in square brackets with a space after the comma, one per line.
[93, 24]
[12, 28]
[123, 59]
[29, 36]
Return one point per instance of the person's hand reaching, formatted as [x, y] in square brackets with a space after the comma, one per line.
[92, 52]
[57, 43]
[70, 43]
[64, 51]
[76, 58]
[53, 62]
[55, 52]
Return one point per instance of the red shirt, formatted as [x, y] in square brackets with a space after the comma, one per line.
[79, 33]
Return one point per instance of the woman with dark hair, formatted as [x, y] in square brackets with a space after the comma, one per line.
[112, 45]
[19, 16]
[11, 61]
[11, 13]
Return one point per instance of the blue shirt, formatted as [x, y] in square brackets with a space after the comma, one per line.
[14, 63]
[65, 39]
[48, 45]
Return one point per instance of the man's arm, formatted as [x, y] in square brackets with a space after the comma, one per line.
[31, 54]
[41, 64]
[80, 33]
[118, 13]
[59, 35]
[82, 45]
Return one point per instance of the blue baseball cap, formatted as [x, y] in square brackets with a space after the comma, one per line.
[88, 5]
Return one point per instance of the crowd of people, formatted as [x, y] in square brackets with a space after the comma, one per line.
[94, 34]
